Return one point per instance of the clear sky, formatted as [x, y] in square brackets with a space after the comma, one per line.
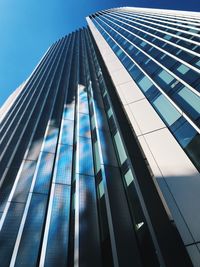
[29, 27]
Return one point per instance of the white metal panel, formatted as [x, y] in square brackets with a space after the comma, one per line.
[180, 175]
[131, 92]
[146, 117]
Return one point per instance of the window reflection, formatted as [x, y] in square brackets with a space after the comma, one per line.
[84, 125]
[64, 168]
[56, 252]
[68, 113]
[30, 242]
[85, 156]
[44, 173]
[167, 111]
[67, 132]
[51, 140]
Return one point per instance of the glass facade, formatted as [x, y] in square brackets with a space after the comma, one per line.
[147, 56]
[72, 190]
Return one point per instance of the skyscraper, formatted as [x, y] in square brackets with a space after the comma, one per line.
[100, 147]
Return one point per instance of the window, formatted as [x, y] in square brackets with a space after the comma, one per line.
[183, 69]
[167, 37]
[198, 63]
[119, 52]
[145, 84]
[128, 177]
[143, 44]
[167, 111]
[190, 98]
[166, 77]
[185, 134]
[130, 47]
[101, 189]
[120, 148]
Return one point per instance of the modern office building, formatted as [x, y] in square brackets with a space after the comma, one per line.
[100, 147]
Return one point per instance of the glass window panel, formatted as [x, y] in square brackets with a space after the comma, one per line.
[107, 148]
[119, 52]
[84, 125]
[97, 157]
[167, 37]
[166, 77]
[166, 109]
[9, 232]
[143, 44]
[183, 69]
[64, 168]
[89, 253]
[44, 173]
[56, 252]
[51, 140]
[6, 186]
[198, 63]
[128, 177]
[23, 186]
[185, 134]
[120, 148]
[193, 150]
[145, 84]
[101, 189]
[110, 113]
[29, 247]
[190, 98]
[83, 101]
[131, 47]
[85, 156]
[67, 132]
[68, 112]
[101, 116]
[93, 122]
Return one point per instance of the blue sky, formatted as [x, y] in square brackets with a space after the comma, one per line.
[29, 27]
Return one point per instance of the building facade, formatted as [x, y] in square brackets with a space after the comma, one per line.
[100, 147]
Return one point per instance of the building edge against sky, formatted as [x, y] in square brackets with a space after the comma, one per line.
[138, 96]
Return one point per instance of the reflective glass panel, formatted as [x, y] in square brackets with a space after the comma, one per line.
[166, 77]
[166, 109]
[145, 84]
